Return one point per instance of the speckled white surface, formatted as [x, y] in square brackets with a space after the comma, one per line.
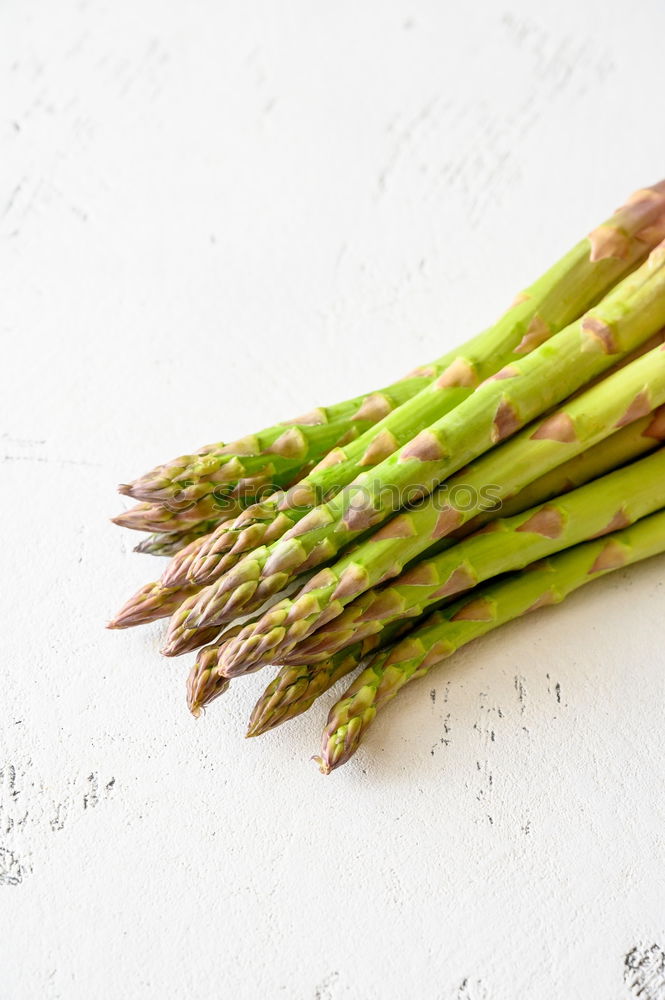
[216, 214]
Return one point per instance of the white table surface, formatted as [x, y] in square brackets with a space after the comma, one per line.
[218, 214]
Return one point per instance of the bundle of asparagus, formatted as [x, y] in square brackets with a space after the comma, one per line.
[516, 468]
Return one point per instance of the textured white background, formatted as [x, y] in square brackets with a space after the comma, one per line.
[219, 213]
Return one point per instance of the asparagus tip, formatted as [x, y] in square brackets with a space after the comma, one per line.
[124, 620]
[128, 616]
[125, 489]
[260, 724]
[129, 518]
[174, 576]
[204, 683]
[323, 765]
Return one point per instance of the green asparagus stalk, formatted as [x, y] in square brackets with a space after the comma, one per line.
[202, 516]
[631, 312]
[584, 421]
[271, 456]
[179, 515]
[199, 694]
[155, 600]
[448, 630]
[555, 300]
[203, 683]
[158, 518]
[152, 601]
[295, 689]
[612, 502]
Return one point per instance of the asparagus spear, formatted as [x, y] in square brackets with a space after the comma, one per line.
[294, 689]
[158, 518]
[188, 515]
[274, 455]
[205, 514]
[198, 692]
[172, 542]
[555, 300]
[149, 603]
[203, 684]
[625, 318]
[614, 501]
[475, 615]
[581, 423]
[155, 601]
[179, 515]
